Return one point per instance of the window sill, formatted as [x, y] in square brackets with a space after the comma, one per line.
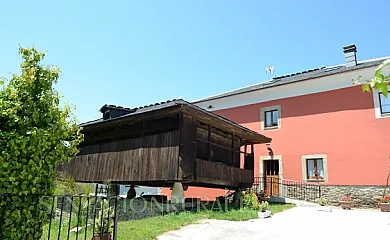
[385, 115]
[273, 128]
[315, 180]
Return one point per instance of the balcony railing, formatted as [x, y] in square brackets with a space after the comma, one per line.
[214, 173]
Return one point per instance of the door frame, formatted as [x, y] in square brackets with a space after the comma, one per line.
[261, 167]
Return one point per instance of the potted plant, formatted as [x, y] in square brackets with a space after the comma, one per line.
[104, 222]
[322, 201]
[316, 175]
[346, 202]
[384, 204]
[264, 212]
[263, 195]
[323, 205]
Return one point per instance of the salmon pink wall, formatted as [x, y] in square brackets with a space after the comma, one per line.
[198, 192]
[340, 123]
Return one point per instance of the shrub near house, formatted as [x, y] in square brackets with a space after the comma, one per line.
[36, 134]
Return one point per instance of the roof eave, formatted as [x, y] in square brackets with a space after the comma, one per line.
[362, 65]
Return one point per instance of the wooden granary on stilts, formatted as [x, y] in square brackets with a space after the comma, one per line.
[165, 144]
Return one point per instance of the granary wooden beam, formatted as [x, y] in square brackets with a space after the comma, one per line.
[220, 146]
[129, 130]
[209, 141]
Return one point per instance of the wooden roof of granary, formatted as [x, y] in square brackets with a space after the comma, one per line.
[170, 107]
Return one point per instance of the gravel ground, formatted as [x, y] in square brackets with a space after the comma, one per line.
[297, 223]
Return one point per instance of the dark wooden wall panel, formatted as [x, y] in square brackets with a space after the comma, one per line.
[148, 158]
[214, 173]
[132, 130]
[221, 151]
[187, 155]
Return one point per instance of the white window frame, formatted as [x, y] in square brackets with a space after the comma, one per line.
[324, 158]
[262, 117]
[377, 104]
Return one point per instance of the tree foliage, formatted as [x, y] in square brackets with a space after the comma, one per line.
[36, 134]
[379, 82]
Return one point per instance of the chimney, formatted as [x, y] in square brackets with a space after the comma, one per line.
[350, 55]
[113, 111]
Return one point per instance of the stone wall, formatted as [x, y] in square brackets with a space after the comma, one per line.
[138, 208]
[362, 196]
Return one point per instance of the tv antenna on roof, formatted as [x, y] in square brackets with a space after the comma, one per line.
[270, 70]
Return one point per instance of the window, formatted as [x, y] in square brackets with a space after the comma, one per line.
[384, 103]
[381, 104]
[270, 117]
[314, 168]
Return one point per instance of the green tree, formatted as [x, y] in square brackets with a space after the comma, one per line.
[36, 134]
[379, 82]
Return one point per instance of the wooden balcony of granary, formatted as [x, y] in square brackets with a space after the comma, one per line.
[164, 143]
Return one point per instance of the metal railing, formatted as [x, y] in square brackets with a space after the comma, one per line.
[61, 217]
[287, 188]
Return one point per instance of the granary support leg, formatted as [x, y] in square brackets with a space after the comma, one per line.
[237, 198]
[177, 194]
[131, 193]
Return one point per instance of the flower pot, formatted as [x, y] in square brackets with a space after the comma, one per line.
[324, 208]
[385, 207]
[101, 236]
[346, 205]
[264, 214]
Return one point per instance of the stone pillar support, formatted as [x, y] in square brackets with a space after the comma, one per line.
[177, 194]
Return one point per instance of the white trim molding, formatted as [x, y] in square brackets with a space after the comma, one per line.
[262, 117]
[324, 158]
[273, 157]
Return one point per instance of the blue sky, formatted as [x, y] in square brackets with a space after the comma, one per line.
[133, 53]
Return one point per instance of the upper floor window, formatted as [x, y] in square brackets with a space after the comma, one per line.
[384, 103]
[270, 117]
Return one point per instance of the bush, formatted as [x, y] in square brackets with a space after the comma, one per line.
[36, 135]
[264, 206]
[322, 201]
[104, 222]
[250, 201]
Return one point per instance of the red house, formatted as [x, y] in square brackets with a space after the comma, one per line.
[325, 130]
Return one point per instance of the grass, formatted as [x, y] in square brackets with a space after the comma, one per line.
[150, 228]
